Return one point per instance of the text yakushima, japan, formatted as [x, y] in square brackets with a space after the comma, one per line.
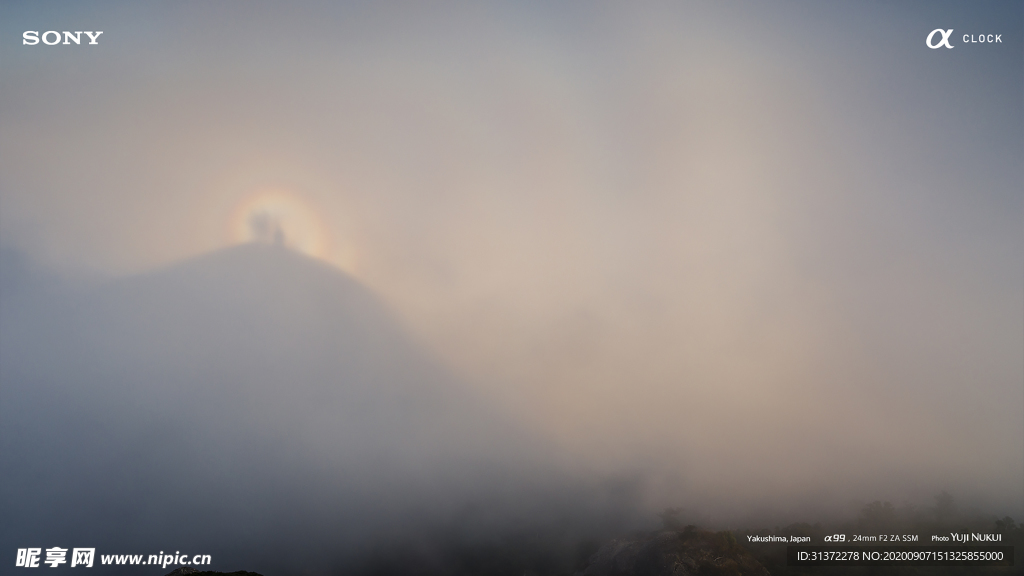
[53, 37]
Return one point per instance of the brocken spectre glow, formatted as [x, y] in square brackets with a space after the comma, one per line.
[297, 225]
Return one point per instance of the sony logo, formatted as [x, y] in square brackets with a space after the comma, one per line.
[51, 37]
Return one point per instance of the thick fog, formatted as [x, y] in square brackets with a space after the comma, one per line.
[310, 274]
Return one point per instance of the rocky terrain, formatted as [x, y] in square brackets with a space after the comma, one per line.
[686, 552]
[194, 572]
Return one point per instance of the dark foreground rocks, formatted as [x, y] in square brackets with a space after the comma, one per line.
[194, 572]
[686, 552]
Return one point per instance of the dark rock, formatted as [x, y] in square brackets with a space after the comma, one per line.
[187, 571]
[687, 552]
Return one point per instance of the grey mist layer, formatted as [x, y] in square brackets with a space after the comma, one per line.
[281, 279]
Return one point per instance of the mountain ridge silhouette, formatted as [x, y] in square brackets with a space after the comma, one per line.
[251, 391]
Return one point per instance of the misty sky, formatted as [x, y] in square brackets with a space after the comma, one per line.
[770, 252]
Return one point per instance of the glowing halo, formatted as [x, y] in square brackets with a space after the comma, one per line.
[277, 216]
